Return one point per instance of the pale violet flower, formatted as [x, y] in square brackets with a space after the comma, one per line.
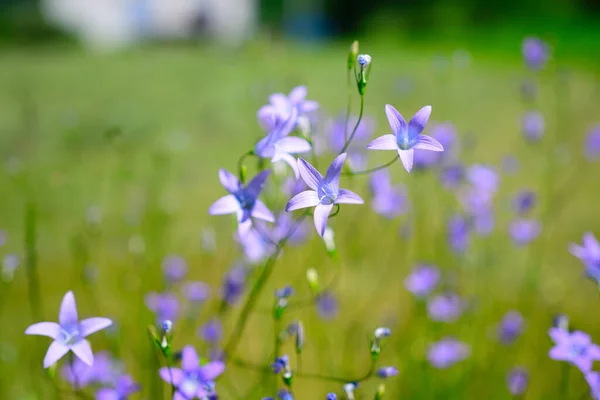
[281, 106]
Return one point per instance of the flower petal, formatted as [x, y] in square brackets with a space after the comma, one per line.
[321, 215]
[290, 160]
[68, 310]
[333, 172]
[83, 351]
[50, 329]
[425, 142]
[244, 227]
[308, 198]
[173, 377]
[225, 205]
[309, 106]
[348, 197]
[266, 116]
[256, 184]
[229, 181]
[418, 121]
[292, 144]
[91, 325]
[577, 251]
[310, 175]
[261, 211]
[189, 359]
[592, 245]
[286, 127]
[298, 94]
[55, 352]
[406, 156]
[279, 100]
[211, 370]
[385, 142]
[396, 120]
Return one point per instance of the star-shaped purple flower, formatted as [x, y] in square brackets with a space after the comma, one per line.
[406, 138]
[278, 146]
[282, 106]
[69, 333]
[192, 380]
[242, 200]
[589, 255]
[575, 347]
[325, 192]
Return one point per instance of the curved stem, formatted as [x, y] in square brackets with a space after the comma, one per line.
[240, 164]
[360, 115]
[368, 171]
[348, 107]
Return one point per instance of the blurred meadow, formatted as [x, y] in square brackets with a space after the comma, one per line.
[110, 162]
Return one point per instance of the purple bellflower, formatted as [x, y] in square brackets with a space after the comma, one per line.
[459, 234]
[510, 327]
[388, 201]
[447, 352]
[80, 375]
[212, 331]
[234, 284]
[445, 307]
[422, 280]
[282, 106]
[242, 200]
[517, 381]
[124, 387]
[69, 333]
[535, 53]
[278, 146]
[174, 267]
[592, 144]
[192, 380]
[406, 138]
[589, 255]
[533, 125]
[593, 380]
[325, 192]
[524, 231]
[386, 372]
[524, 201]
[575, 347]
[165, 306]
[196, 292]
[327, 305]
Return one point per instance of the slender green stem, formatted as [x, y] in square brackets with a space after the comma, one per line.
[240, 164]
[564, 380]
[349, 105]
[31, 260]
[360, 115]
[368, 171]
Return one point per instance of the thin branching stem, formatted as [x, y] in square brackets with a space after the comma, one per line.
[360, 115]
[368, 171]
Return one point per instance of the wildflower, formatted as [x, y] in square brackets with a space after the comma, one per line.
[124, 387]
[331, 396]
[256, 246]
[242, 200]
[446, 307]
[388, 201]
[422, 280]
[325, 192]
[524, 201]
[452, 176]
[165, 306]
[174, 267]
[280, 364]
[447, 352]
[212, 331]
[192, 380]
[278, 146]
[592, 144]
[349, 389]
[483, 178]
[511, 327]
[282, 229]
[458, 234]
[386, 372]
[406, 138]
[535, 53]
[362, 77]
[363, 60]
[196, 292]
[575, 347]
[282, 106]
[69, 333]
[80, 375]
[517, 381]
[233, 285]
[327, 305]
[589, 255]
[284, 394]
[593, 380]
[533, 125]
[523, 231]
[382, 332]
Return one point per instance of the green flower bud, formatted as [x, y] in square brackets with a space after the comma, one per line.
[352, 54]
[380, 392]
[313, 279]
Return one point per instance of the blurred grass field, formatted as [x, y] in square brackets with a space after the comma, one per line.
[142, 134]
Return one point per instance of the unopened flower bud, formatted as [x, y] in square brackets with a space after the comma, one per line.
[299, 337]
[313, 279]
[349, 389]
[166, 326]
[363, 60]
[328, 238]
[364, 63]
[352, 54]
[382, 332]
[380, 392]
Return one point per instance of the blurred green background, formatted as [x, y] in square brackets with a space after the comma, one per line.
[139, 132]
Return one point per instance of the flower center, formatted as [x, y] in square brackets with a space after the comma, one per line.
[69, 334]
[327, 194]
[246, 200]
[403, 142]
[577, 350]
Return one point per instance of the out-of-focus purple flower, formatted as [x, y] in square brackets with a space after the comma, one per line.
[483, 178]
[591, 147]
[452, 176]
[165, 305]
[510, 327]
[256, 245]
[406, 138]
[285, 394]
[192, 380]
[593, 380]
[447, 352]
[69, 333]
[389, 201]
[234, 283]
[212, 331]
[331, 396]
[196, 292]
[535, 53]
[327, 305]
[280, 364]
[386, 372]
[336, 138]
[174, 267]
[459, 235]
[524, 201]
[80, 375]
[324, 193]
[446, 307]
[484, 222]
[282, 106]
[445, 134]
[589, 255]
[242, 200]
[124, 387]
[282, 227]
[291, 187]
[533, 125]
[279, 146]
[575, 347]
[517, 381]
[524, 231]
[422, 280]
